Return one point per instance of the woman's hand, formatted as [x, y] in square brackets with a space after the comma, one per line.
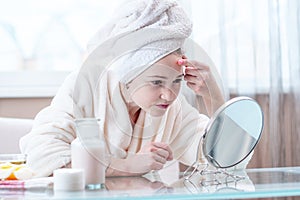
[152, 156]
[201, 80]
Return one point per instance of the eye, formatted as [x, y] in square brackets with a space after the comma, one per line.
[157, 82]
[177, 80]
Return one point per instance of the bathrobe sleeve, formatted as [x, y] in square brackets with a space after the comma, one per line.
[52, 132]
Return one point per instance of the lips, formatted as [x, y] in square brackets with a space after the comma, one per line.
[163, 106]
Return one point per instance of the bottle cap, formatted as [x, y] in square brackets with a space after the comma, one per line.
[87, 128]
[68, 179]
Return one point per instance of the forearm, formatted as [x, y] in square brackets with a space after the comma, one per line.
[213, 103]
[120, 167]
[152, 156]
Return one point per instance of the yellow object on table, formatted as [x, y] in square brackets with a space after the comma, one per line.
[9, 171]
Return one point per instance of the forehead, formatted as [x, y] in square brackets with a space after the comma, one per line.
[166, 66]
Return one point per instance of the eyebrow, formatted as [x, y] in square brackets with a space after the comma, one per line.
[164, 77]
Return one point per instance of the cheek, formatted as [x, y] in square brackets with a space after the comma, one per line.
[145, 97]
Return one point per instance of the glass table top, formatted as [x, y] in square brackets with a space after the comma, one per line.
[167, 184]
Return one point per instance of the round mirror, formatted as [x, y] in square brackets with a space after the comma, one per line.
[233, 132]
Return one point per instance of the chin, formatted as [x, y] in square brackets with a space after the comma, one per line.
[157, 113]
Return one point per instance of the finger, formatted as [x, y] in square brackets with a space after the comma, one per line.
[196, 77]
[191, 79]
[200, 84]
[192, 71]
[197, 65]
[197, 71]
[183, 63]
[196, 88]
[159, 158]
[163, 153]
[192, 64]
[193, 86]
[160, 151]
[162, 145]
[157, 162]
[165, 147]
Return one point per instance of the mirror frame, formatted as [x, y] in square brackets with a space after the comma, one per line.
[214, 117]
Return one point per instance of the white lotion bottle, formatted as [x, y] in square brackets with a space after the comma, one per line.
[88, 152]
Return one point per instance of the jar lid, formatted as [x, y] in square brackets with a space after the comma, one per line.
[68, 179]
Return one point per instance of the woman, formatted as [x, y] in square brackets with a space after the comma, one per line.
[131, 80]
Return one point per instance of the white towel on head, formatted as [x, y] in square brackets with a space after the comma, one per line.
[134, 15]
[140, 33]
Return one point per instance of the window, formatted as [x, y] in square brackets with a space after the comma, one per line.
[46, 40]
[42, 41]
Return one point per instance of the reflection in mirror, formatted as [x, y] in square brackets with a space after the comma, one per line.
[230, 136]
[233, 132]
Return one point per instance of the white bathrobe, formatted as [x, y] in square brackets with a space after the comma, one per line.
[181, 127]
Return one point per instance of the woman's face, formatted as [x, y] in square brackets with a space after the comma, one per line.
[157, 87]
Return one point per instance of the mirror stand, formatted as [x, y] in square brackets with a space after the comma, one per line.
[213, 185]
[216, 176]
[219, 176]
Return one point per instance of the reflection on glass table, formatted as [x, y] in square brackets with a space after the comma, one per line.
[167, 184]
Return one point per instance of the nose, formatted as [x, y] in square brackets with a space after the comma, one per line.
[167, 94]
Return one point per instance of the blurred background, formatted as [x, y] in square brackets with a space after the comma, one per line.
[255, 45]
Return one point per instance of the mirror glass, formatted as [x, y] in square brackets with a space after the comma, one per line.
[233, 132]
